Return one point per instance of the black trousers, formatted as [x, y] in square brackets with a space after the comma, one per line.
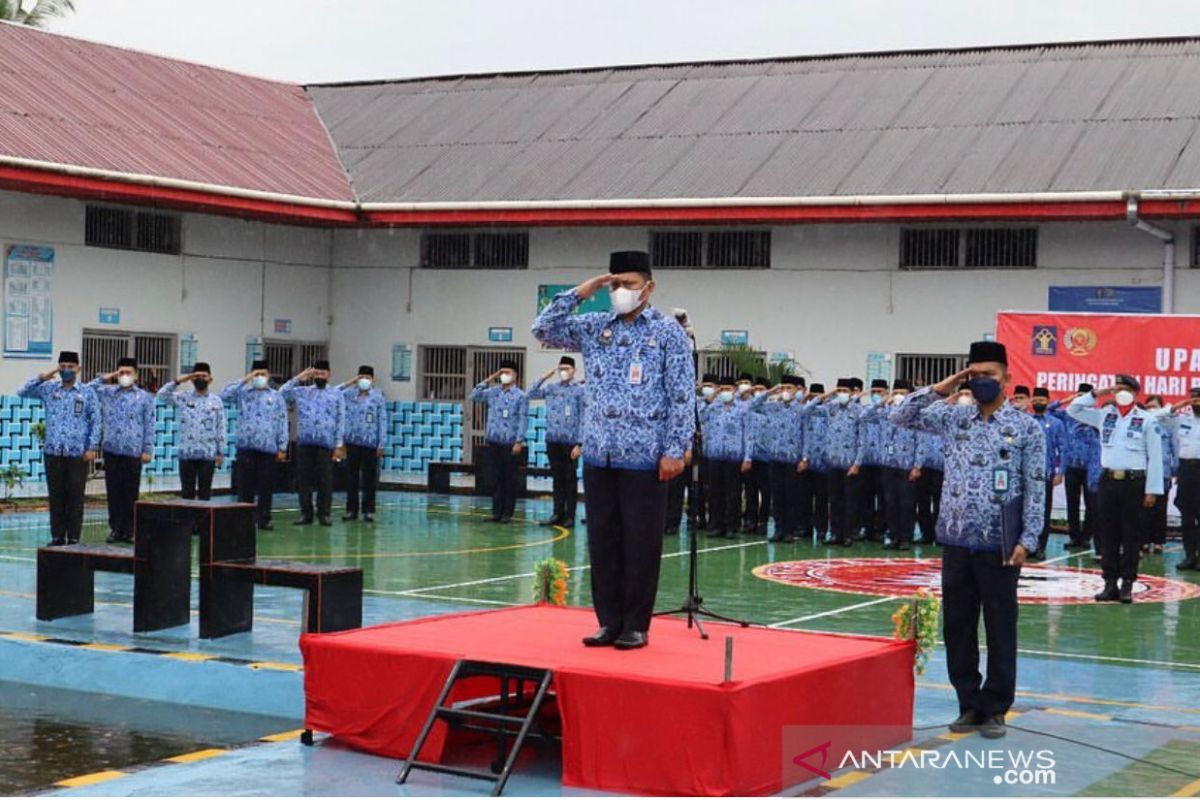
[873, 514]
[1120, 521]
[314, 472]
[724, 498]
[66, 478]
[566, 484]
[900, 502]
[1044, 536]
[929, 502]
[122, 480]
[1154, 521]
[785, 498]
[504, 479]
[362, 473]
[972, 582]
[1075, 481]
[195, 478]
[625, 514]
[256, 480]
[675, 491]
[845, 504]
[756, 488]
[1187, 500]
[814, 497]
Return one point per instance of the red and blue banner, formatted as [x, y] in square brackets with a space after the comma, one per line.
[1060, 351]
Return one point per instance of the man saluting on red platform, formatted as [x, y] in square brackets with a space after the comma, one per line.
[638, 423]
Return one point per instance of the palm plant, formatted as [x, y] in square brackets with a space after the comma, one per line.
[35, 13]
[744, 358]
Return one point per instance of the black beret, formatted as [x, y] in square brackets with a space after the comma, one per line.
[259, 364]
[366, 369]
[818, 388]
[68, 357]
[879, 383]
[902, 384]
[127, 362]
[201, 366]
[1041, 391]
[629, 261]
[1084, 388]
[566, 361]
[1021, 390]
[508, 364]
[985, 352]
[1130, 381]
[321, 363]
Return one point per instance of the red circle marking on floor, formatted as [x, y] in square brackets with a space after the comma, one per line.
[903, 576]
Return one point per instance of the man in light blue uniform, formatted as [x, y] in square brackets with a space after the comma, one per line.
[929, 486]
[262, 437]
[201, 418]
[1083, 460]
[992, 506]
[71, 441]
[841, 460]
[1056, 457]
[1154, 520]
[127, 422]
[638, 424]
[1131, 456]
[320, 438]
[872, 422]
[366, 437]
[781, 435]
[507, 421]
[814, 485]
[564, 436]
[901, 469]
[728, 446]
[1186, 428]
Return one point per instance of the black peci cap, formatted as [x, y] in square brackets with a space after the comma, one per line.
[986, 352]
[258, 364]
[508, 363]
[127, 362]
[566, 361]
[366, 369]
[629, 261]
[845, 383]
[1041, 391]
[321, 363]
[1020, 390]
[789, 380]
[856, 383]
[902, 385]
[746, 377]
[818, 388]
[879, 383]
[710, 377]
[201, 366]
[68, 357]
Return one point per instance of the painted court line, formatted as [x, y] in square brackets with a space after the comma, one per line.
[887, 599]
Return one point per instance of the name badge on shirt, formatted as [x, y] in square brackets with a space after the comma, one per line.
[635, 373]
[1000, 480]
[371, 416]
[78, 406]
[566, 412]
[504, 414]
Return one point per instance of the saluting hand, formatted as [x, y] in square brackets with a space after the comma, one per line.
[589, 287]
[947, 386]
[45, 376]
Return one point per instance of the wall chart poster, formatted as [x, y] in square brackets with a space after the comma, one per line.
[28, 302]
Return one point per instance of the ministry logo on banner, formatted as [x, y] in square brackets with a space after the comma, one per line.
[1045, 340]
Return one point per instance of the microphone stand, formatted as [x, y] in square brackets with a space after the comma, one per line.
[693, 604]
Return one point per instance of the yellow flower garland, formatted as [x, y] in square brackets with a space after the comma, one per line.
[550, 576]
[917, 620]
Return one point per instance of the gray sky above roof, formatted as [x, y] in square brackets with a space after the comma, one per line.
[315, 41]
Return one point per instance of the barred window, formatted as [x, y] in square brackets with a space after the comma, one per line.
[968, 248]
[446, 250]
[502, 250]
[489, 250]
[108, 227]
[124, 229]
[739, 249]
[676, 248]
[928, 248]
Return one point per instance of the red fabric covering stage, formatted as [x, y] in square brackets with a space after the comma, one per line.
[660, 720]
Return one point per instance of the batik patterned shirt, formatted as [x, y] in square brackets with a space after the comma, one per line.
[127, 419]
[320, 414]
[201, 420]
[366, 417]
[727, 433]
[841, 433]
[508, 412]
[781, 430]
[72, 416]
[564, 410]
[262, 425]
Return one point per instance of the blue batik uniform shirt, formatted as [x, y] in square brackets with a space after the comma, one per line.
[564, 409]
[929, 451]
[262, 425]
[871, 423]
[780, 430]
[320, 414]
[974, 449]
[1083, 441]
[841, 433]
[127, 419]
[900, 447]
[72, 416]
[201, 422]
[508, 412]
[628, 423]
[816, 425]
[727, 433]
[366, 417]
[1056, 443]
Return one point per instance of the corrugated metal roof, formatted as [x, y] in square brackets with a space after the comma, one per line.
[1107, 115]
[68, 101]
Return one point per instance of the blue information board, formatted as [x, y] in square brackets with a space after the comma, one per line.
[1106, 299]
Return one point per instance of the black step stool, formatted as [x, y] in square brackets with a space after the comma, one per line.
[501, 723]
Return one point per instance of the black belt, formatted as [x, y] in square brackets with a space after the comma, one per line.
[1194, 461]
[1125, 474]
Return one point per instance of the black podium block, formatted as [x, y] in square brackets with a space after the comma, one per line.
[226, 606]
[66, 584]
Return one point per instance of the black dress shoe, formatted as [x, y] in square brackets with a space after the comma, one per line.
[495, 518]
[550, 522]
[112, 538]
[325, 521]
[303, 521]
[672, 532]
[349, 517]
[72, 541]
[993, 727]
[631, 640]
[1126, 592]
[266, 526]
[55, 543]
[568, 523]
[368, 517]
[505, 520]
[601, 638]
[904, 546]
[967, 721]
[1110, 594]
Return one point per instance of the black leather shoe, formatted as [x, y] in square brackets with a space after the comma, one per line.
[716, 534]
[55, 543]
[72, 541]
[303, 521]
[568, 523]
[672, 532]
[967, 722]
[904, 546]
[266, 526]
[494, 518]
[601, 638]
[368, 517]
[325, 521]
[993, 727]
[349, 517]
[1126, 592]
[112, 538]
[550, 522]
[1110, 594]
[631, 640]
[505, 520]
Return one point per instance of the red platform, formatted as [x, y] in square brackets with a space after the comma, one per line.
[661, 720]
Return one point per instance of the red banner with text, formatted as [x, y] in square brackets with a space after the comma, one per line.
[1061, 351]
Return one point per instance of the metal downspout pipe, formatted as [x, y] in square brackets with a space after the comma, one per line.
[1168, 239]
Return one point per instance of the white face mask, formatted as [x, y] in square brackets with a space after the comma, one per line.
[564, 375]
[125, 380]
[897, 399]
[625, 300]
[742, 388]
[506, 378]
[364, 384]
[1125, 398]
[259, 381]
[707, 391]
[841, 399]
[965, 401]
[760, 393]
[787, 397]
[725, 396]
